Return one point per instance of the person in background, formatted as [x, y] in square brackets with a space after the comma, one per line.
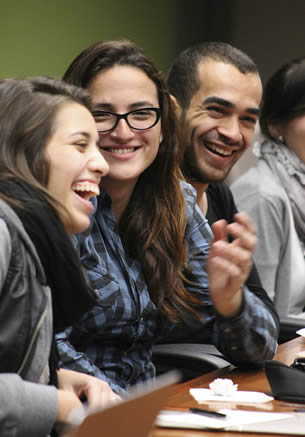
[148, 247]
[217, 93]
[273, 191]
[50, 165]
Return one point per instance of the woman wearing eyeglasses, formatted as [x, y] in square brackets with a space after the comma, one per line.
[147, 248]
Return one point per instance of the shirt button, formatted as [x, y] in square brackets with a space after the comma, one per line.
[227, 330]
[141, 326]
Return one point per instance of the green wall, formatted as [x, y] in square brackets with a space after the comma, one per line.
[42, 37]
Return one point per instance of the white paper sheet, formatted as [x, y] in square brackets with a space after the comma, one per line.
[301, 332]
[241, 397]
[235, 418]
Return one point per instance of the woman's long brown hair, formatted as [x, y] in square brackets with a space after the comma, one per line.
[153, 225]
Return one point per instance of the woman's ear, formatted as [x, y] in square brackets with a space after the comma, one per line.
[274, 130]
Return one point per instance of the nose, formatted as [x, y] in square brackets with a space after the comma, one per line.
[122, 131]
[230, 128]
[97, 163]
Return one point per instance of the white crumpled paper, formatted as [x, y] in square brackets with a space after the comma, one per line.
[223, 387]
[224, 390]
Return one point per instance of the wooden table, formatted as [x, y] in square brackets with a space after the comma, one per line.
[252, 380]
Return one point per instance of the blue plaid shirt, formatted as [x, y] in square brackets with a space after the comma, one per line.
[113, 341]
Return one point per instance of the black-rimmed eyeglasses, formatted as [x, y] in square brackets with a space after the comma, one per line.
[140, 119]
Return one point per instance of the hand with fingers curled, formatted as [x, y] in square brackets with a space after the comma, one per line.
[230, 262]
[97, 393]
[76, 386]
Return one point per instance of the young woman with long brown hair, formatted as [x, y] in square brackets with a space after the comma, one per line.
[50, 165]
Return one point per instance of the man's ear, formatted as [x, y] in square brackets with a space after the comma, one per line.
[177, 106]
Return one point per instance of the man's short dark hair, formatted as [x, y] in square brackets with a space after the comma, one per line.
[183, 80]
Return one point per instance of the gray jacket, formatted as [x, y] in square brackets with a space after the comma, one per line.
[279, 257]
[27, 405]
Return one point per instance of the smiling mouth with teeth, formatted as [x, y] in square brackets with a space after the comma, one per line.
[85, 190]
[120, 150]
[219, 150]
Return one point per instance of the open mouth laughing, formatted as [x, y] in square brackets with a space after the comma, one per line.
[220, 151]
[86, 190]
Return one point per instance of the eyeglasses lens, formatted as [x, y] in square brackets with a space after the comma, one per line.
[140, 119]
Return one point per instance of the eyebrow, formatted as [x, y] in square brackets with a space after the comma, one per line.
[82, 133]
[228, 104]
[105, 106]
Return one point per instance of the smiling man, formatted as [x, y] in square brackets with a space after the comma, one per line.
[217, 91]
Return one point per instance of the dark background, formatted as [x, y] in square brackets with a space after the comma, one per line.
[42, 37]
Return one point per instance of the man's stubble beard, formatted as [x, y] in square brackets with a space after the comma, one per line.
[191, 169]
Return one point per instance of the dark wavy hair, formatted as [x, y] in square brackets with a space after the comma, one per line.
[284, 95]
[153, 225]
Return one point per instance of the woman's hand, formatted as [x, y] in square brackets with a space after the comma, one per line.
[97, 393]
[229, 264]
